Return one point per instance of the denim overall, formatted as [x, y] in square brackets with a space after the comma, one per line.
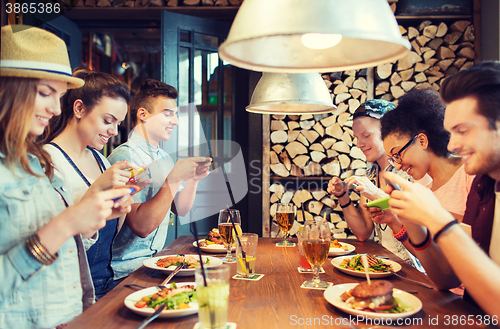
[100, 253]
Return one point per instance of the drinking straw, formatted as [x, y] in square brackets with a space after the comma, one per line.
[243, 254]
[195, 232]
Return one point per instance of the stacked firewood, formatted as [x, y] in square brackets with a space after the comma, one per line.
[438, 51]
[323, 146]
[155, 3]
[320, 146]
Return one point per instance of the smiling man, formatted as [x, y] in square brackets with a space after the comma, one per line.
[153, 111]
[451, 256]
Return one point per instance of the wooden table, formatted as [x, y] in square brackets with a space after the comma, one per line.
[277, 301]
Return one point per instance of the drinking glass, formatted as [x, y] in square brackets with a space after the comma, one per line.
[212, 298]
[285, 216]
[304, 265]
[245, 267]
[226, 231]
[316, 243]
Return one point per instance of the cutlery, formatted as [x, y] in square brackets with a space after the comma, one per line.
[167, 280]
[417, 282]
[365, 265]
[152, 317]
[134, 286]
[381, 257]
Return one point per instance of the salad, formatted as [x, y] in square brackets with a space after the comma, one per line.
[174, 298]
[375, 265]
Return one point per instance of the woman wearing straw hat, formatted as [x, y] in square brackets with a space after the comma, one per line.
[44, 271]
[90, 116]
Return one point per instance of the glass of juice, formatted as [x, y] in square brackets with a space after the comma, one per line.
[245, 266]
[212, 297]
[226, 231]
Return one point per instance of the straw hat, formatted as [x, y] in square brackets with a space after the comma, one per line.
[30, 52]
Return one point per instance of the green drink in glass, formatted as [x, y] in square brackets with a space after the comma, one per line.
[213, 298]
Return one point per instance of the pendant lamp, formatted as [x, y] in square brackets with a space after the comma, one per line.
[296, 36]
[291, 93]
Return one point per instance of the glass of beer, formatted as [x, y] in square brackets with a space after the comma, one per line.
[226, 231]
[316, 243]
[285, 216]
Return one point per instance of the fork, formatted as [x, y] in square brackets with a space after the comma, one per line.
[414, 281]
[167, 280]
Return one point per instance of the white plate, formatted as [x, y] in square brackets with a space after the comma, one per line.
[151, 263]
[213, 248]
[146, 311]
[332, 295]
[338, 260]
[339, 251]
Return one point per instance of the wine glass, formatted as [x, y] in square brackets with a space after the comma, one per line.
[226, 231]
[316, 243]
[285, 216]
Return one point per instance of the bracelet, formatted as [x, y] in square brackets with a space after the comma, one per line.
[346, 205]
[38, 250]
[424, 244]
[447, 226]
[343, 193]
[402, 235]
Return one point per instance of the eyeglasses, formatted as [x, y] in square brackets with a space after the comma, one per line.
[396, 157]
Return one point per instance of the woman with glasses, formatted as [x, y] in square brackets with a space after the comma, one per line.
[366, 128]
[416, 143]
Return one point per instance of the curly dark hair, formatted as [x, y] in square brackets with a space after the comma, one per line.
[481, 81]
[148, 92]
[419, 111]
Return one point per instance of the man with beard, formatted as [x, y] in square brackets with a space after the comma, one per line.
[447, 252]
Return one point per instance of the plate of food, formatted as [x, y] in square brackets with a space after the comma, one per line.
[378, 268]
[213, 243]
[340, 248]
[373, 301]
[168, 263]
[180, 300]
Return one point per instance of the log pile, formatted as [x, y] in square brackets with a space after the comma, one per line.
[317, 204]
[438, 51]
[169, 3]
[323, 146]
[320, 146]
[156, 3]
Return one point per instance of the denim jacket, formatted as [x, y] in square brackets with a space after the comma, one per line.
[33, 295]
[130, 250]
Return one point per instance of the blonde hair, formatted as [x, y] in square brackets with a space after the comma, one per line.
[17, 101]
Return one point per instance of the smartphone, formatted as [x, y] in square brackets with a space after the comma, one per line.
[382, 203]
[391, 168]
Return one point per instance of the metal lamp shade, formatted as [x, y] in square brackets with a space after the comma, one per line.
[266, 35]
[296, 93]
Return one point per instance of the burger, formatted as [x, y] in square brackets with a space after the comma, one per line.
[376, 297]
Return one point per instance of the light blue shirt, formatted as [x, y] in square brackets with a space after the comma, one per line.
[33, 295]
[130, 250]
